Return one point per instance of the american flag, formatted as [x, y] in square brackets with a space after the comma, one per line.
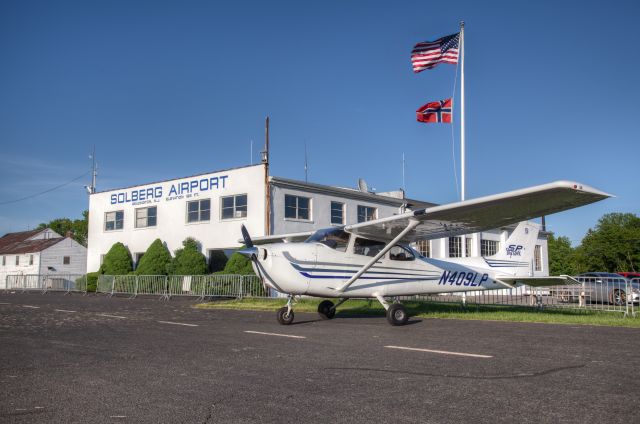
[428, 54]
[439, 111]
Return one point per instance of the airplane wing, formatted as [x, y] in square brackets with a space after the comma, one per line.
[481, 214]
[540, 281]
[291, 237]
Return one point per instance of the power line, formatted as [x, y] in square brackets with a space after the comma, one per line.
[46, 191]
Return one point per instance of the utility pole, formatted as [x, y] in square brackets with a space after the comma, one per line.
[265, 161]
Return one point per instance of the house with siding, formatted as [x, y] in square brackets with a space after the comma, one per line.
[40, 252]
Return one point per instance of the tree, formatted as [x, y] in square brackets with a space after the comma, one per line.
[238, 264]
[78, 227]
[613, 245]
[155, 260]
[562, 257]
[117, 261]
[188, 260]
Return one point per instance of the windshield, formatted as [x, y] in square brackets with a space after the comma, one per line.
[335, 238]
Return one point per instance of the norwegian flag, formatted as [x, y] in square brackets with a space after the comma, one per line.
[428, 54]
[440, 111]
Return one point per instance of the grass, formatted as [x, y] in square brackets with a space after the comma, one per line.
[443, 311]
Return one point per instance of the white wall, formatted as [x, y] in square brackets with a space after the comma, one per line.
[172, 227]
[54, 257]
[10, 267]
[320, 210]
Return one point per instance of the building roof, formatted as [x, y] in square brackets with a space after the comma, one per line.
[19, 243]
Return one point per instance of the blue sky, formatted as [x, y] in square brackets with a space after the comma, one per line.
[167, 89]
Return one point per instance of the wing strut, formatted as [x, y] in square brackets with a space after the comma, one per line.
[412, 224]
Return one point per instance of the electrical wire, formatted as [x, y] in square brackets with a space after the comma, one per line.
[46, 191]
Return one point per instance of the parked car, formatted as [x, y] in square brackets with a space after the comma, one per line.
[630, 275]
[605, 287]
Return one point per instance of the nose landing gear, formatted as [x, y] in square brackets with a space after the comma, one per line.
[285, 314]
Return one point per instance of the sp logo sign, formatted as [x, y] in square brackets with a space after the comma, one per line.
[514, 250]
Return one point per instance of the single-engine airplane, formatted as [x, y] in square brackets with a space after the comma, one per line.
[373, 259]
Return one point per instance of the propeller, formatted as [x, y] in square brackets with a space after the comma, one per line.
[251, 252]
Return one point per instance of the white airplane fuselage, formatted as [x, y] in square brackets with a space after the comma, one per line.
[315, 269]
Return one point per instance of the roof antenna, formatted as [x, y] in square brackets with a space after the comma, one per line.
[94, 172]
[306, 164]
[403, 181]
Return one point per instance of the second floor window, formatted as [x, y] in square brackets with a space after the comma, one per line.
[199, 210]
[297, 207]
[66, 260]
[337, 213]
[147, 217]
[234, 206]
[366, 213]
[30, 259]
[113, 220]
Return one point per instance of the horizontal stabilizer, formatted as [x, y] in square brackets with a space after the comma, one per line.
[540, 281]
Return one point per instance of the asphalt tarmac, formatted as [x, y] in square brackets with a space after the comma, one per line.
[95, 359]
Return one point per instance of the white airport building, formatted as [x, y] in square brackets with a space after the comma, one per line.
[211, 208]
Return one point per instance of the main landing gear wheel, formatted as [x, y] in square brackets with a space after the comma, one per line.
[397, 314]
[326, 310]
[285, 316]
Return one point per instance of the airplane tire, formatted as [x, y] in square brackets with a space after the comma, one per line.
[283, 318]
[397, 314]
[325, 311]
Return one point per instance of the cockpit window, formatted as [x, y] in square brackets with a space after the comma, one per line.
[399, 253]
[334, 238]
[367, 247]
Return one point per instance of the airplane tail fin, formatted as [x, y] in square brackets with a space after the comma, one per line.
[516, 256]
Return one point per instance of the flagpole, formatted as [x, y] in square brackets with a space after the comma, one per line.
[462, 134]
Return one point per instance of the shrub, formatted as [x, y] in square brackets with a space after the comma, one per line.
[238, 264]
[188, 260]
[155, 260]
[90, 280]
[217, 260]
[117, 261]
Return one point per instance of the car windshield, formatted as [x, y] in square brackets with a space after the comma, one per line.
[335, 238]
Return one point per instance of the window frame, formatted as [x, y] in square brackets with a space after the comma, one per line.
[115, 221]
[427, 248]
[537, 258]
[200, 210]
[365, 207]
[342, 212]
[234, 207]
[66, 260]
[297, 208]
[485, 251]
[455, 249]
[136, 217]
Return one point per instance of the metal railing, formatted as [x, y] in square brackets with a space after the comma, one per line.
[592, 293]
[44, 283]
[617, 295]
[199, 286]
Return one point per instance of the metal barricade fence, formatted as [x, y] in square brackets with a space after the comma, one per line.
[151, 285]
[124, 284]
[44, 283]
[105, 284]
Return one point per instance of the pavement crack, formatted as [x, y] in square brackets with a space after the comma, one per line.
[462, 376]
